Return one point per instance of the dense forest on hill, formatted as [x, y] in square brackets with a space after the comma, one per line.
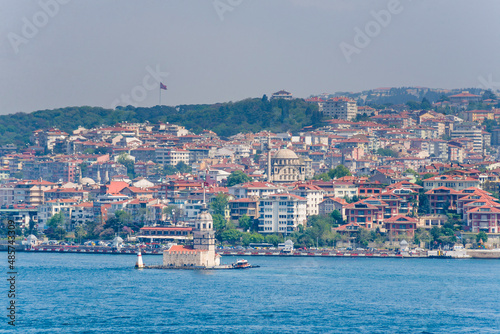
[226, 119]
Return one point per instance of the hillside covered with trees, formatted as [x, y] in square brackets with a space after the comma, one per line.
[226, 119]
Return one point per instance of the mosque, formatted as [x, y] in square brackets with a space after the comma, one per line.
[202, 253]
[286, 167]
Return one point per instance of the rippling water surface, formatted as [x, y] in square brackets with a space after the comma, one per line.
[82, 293]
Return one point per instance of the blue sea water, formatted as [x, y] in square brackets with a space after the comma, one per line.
[82, 293]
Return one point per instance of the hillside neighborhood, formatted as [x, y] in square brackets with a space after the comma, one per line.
[365, 176]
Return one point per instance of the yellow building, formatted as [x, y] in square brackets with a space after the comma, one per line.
[478, 115]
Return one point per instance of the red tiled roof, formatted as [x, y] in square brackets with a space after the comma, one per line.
[401, 218]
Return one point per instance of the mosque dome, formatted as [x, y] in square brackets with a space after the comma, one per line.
[87, 180]
[286, 154]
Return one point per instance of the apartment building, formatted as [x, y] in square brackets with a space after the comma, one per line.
[171, 156]
[282, 213]
[313, 194]
[340, 108]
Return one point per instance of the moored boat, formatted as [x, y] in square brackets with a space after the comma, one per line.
[243, 264]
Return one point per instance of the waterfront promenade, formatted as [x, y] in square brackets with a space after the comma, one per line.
[230, 252]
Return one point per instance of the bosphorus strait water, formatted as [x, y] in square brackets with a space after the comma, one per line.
[82, 293]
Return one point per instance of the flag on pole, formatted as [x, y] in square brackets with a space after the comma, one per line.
[162, 86]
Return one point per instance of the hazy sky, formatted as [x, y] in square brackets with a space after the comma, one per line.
[56, 53]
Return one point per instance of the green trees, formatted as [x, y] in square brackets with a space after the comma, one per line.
[337, 217]
[335, 173]
[128, 162]
[490, 124]
[422, 235]
[318, 231]
[481, 236]
[273, 239]
[56, 220]
[219, 204]
[444, 235]
[182, 167]
[56, 229]
[363, 237]
[387, 152]
[338, 172]
[232, 236]
[226, 119]
[425, 104]
[424, 206]
[80, 232]
[245, 222]
[249, 238]
[220, 225]
[237, 177]
[118, 221]
[362, 118]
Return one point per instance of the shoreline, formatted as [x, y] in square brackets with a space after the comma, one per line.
[467, 254]
[108, 250]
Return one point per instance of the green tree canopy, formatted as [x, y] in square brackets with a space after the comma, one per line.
[226, 119]
[119, 220]
[273, 239]
[481, 236]
[128, 162]
[386, 152]
[249, 238]
[336, 216]
[219, 204]
[237, 177]
[338, 172]
[335, 173]
[231, 236]
[182, 167]
[245, 222]
[56, 220]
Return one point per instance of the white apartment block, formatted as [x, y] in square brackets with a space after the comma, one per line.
[82, 213]
[254, 189]
[343, 189]
[50, 208]
[282, 213]
[171, 156]
[457, 183]
[471, 132]
[313, 195]
[340, 108]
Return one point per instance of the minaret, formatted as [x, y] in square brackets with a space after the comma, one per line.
[98, 178]
[204, 235]
[269, 179]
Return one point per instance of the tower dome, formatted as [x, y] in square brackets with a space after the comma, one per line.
[204, 220]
